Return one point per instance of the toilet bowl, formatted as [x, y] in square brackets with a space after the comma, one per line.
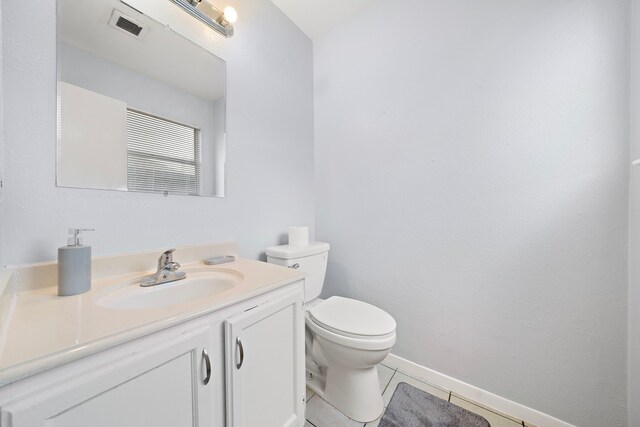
[345, 338]
[350, 338]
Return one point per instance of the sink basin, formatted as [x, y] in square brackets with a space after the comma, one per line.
[197, 286]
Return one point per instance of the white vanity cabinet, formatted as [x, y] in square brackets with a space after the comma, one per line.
[264, 370]
[161, 387]
[180, 376]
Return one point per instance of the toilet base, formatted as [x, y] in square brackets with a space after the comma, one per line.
[354, 392]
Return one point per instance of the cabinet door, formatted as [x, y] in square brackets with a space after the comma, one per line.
[162, 387]
[265, 365]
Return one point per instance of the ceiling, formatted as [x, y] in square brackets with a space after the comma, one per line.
[317, 17]
[160, 54]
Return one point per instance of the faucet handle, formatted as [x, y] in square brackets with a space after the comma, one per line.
[172, 266]
[165, 258]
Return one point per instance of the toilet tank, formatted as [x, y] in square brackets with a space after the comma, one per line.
[311, 259]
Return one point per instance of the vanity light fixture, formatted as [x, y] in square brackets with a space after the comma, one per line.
[228, 16]
[221, 22]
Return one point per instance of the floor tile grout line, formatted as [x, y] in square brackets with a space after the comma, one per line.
[492, 410]
[389, 382]
[390, 367]
[422, 380]
[450, 395]
[335, 409]
[305, 412]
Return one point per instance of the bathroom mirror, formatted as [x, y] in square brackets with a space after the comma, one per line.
[140, 108]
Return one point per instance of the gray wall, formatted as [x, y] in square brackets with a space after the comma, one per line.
[472, 177]
[634, 225]
[270, 153]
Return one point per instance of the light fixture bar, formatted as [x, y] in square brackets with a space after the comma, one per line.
[225, 30]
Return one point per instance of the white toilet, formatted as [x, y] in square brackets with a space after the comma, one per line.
[345, 338]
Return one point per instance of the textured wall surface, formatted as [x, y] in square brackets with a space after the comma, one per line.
[1, 148]
[472, 169]
[634, 225]
[472, 178]
[269, 159]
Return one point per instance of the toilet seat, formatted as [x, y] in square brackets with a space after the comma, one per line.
[352, 323]
[345, 339]
[377, 343]
[352, 318]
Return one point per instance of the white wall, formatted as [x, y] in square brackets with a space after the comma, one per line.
[270, 153]
[472, 177]
[1, 147]
[139, 91]
[634, 226]
[216, 173]
[92, 139]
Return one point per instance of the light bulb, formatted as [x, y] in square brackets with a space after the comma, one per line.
[230, 14]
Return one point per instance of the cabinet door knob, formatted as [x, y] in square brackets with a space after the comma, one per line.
[241, 349]
[207, 363]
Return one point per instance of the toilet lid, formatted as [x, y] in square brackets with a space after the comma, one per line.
[352, 317]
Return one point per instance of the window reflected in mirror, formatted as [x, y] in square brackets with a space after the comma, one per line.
[140, 108]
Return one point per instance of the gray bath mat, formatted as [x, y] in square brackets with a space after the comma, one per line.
[411, 407]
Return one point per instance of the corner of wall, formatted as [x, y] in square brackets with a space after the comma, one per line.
[1, 148]
[633, 344]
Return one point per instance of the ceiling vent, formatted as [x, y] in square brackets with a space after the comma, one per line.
[125, 23]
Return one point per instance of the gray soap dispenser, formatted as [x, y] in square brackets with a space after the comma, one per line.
[74, 265]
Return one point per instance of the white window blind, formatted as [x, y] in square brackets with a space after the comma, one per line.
[162, 155]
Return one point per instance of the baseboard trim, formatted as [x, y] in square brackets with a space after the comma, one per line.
[473, 393]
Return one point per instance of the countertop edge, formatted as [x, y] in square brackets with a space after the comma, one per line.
[5, 277]
[54, 360]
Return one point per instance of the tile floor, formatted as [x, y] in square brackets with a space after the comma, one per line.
[321, 414]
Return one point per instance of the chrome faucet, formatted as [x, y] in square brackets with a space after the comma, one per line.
[167, 271]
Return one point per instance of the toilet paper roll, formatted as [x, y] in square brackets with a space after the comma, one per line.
[298, 235]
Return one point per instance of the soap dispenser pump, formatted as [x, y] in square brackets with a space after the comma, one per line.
[74, 265]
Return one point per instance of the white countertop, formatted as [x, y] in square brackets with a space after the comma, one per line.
[40, 330]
